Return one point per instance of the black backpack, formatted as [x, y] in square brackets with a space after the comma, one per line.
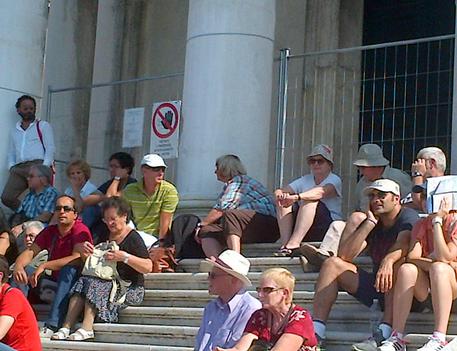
[182, 232]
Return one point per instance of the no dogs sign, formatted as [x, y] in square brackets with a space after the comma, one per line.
[165, 122]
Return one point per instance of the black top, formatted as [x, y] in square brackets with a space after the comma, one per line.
[104, 187]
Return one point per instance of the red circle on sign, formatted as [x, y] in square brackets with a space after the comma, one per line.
[159, 114]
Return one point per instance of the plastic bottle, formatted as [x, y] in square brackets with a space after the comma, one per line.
[375, 316]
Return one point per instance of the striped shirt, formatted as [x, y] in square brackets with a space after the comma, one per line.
[35, 204]
[146, 208]
[245, 193]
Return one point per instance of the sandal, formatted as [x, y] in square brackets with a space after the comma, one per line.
[286, 252]
[81, 335]
[61, 334]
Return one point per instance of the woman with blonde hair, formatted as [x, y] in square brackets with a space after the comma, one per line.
[280, 325]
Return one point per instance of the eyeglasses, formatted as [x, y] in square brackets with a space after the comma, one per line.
[377, 195]
[312, 161]
[64, 208]
[266, 290]
[33, 176]
[212, 275]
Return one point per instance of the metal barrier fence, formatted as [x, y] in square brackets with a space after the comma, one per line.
[397, 95]
[88, 120]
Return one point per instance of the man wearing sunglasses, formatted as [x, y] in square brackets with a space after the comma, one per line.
[225, 317]
[153, 201]
[64, 261]
[386, 232]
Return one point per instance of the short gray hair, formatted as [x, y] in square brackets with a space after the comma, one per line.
[44, 171]
[434, 153]
[32, 224]
[230, 166]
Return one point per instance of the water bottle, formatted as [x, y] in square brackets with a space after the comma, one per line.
[375, 316]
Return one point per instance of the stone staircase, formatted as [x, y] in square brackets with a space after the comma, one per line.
[170, 314]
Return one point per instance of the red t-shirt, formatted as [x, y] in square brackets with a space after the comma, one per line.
[62, 246]
[23, 334]
[299, 323]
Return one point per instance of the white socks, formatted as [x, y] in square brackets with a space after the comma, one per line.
[440, 336]
[386, 330]
[319, 328]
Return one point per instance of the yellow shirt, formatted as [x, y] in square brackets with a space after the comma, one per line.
[146, 209]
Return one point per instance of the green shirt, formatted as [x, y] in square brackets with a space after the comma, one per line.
[146, 209]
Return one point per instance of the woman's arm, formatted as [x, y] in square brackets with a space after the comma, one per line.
[318, 192]
[288, 342]
[141, 265]
[444, 251]
[242, 345]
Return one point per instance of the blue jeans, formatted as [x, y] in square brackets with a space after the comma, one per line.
[23, 287]
[67, 278]
[5, 347]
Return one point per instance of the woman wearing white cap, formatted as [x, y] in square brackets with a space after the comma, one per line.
[318, 196]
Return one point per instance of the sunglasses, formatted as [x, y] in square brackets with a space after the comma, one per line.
[267, 290]
[64, 208]
[319, 161]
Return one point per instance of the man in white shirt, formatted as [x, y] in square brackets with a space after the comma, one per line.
[31, 143]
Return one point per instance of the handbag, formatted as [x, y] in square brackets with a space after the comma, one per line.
[163, 259]
[97, 266]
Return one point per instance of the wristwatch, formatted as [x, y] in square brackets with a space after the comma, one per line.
[117, 178]
[126, 258]
[437, 220]
[417, 174]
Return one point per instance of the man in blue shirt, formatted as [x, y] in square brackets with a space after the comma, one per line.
[225, 317]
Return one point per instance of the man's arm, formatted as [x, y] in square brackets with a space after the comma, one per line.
[23, 260]
[212, 217]
[11, 151]
[6, 322]
[48, 141]
[45, 217]
[164, 225]
[351, 244]
[399, 250]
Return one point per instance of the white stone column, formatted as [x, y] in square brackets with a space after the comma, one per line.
[227, 93]
[23, 26]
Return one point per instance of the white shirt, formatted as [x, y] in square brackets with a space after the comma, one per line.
[25, 145]
[333, 204]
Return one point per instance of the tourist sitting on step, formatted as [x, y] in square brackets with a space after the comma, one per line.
[280, 324]
[244, 211]
[372, 165]
[64, 260]
[18, 324]
[39, 203]
[429, 269]
[78, 173]
[225, 318]
[91, 295]
[386, 232]
[307, 206]
[153, 201]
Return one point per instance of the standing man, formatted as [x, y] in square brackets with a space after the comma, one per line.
[18, 325]
[153, 200]
[225, 317]
[64, 260]
[386, 231]
[31, 143]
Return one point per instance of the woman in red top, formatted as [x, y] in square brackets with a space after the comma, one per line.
[280, 324]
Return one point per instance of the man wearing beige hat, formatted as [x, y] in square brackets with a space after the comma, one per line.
[307, 206]
[225, 317]
[386, 233]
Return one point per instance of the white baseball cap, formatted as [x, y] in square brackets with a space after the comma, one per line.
[384, 185]
[153, 160]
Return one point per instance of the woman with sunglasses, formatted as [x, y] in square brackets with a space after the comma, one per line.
[306, 207]
[91, 295]
[280, 325]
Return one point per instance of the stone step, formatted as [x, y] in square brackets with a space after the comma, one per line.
[51, 345]
[259, 264]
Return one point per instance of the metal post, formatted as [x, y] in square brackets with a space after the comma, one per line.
[281, 116]
[48, 104]
[454, 104]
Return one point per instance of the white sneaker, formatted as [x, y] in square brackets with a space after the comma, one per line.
[433, 344]
[45, 332]
[394, 343]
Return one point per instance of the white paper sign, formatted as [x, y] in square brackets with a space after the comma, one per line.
[439, 188]
[132, 135]
[165, 121]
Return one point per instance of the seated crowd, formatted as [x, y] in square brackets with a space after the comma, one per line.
[51, 241]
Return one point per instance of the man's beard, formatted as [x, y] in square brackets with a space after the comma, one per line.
[27, 116]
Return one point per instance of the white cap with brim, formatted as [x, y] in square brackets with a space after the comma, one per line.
[230, 262]
[384, 185]
[370, 155]
[153, 160]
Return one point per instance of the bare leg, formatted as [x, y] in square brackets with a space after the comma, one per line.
[211, 247]
[411, 281]
[234, 242]
[444, 290]
[285, 223]
[75, 307]
[89, 317]
[305, 219]
[334, 272]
